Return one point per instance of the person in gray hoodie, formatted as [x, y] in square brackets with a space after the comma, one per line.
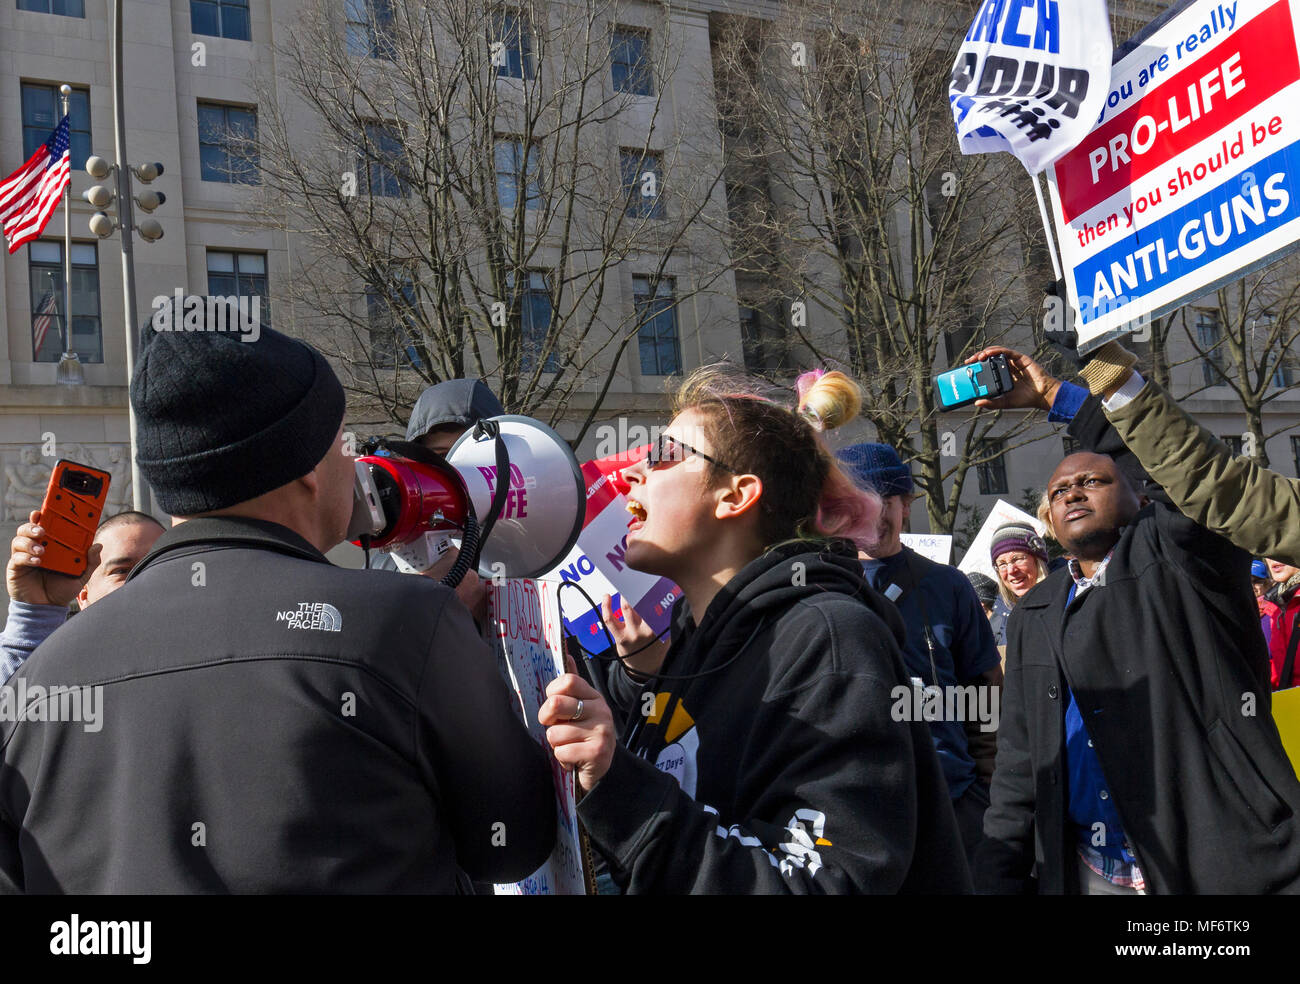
[446, 410]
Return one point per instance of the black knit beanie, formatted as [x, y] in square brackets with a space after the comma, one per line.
[221, 421]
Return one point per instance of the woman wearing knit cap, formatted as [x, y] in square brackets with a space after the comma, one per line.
[1020, 557]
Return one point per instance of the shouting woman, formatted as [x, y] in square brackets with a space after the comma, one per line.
[775, 745]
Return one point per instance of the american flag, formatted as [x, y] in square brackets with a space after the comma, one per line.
[29, 196]
[45, 311]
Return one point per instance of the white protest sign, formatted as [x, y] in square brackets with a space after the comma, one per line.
[526, 623]
[977, 557]
[1191, 178]
[931, 546]
[1030, 78]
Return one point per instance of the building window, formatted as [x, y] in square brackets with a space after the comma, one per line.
[381, 163]
[45, 262]
[65, 8]
[642, 176]
[220, 19]
[535, 311]
[510, 44]
[763, 338]
[1070, 446]
[656, 315]
[42, 110]
[1208, 335]
[993, 472]
[228, 144]
[1233, 441]
[391, 312]
[370, 28]
[1295, 455]
[240, 275]
[1284, 375]
[629, 57]
[513, 171]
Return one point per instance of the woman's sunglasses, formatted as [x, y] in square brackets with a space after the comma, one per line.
[669, 450]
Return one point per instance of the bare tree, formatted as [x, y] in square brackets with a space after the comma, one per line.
[1249, 341]
[856, 217]
[460, 181]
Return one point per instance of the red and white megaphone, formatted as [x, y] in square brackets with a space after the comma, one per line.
[510, 489]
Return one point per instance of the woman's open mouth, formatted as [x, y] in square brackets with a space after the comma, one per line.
[638, 515]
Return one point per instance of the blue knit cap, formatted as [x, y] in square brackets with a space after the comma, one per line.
[877, 466]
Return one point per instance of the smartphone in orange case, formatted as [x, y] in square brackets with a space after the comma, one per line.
[70, 514]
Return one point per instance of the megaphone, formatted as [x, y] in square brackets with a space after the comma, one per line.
[510, 487]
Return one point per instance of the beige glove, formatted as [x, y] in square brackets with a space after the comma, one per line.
[1107, 368]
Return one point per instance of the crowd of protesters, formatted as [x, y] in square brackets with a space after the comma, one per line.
[280, 724]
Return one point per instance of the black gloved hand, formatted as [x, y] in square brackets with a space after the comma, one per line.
[1059, 334]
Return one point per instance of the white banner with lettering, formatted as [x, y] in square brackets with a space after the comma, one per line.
[1031, 78]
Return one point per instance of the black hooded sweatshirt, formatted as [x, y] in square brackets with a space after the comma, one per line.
[781, 768]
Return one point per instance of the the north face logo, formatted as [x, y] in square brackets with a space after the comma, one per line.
[313, 615]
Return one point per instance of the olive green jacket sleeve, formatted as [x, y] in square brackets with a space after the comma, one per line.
[1254, 508]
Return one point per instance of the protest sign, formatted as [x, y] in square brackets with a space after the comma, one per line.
[1286, 715]
[977, 557]
[525, 618]
[1030, 78]
[1191, 176]
[932, 546]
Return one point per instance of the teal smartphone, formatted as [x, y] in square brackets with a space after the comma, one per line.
[977, 381]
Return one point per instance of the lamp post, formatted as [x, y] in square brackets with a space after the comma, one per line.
[139, 490]
[103, 225]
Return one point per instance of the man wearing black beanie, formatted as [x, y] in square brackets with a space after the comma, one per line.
[268, 722]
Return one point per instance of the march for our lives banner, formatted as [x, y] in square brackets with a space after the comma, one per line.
[1190, 178]
[1030, 78]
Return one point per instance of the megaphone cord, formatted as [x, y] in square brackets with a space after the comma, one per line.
[470, 543]
[609, 635]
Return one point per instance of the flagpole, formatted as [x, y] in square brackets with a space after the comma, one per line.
[1047, 226]
[65, 91]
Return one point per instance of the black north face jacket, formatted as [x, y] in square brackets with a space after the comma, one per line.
[271, 723]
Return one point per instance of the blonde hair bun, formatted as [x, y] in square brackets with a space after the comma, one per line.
[828, 399]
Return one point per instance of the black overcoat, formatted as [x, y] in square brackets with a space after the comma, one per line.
[1168, 665]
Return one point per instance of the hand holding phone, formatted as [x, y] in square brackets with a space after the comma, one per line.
[70, 514]
[1033, 387]
[25, 578]
[964, 385]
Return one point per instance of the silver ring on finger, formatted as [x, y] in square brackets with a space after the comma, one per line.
[577, 715]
